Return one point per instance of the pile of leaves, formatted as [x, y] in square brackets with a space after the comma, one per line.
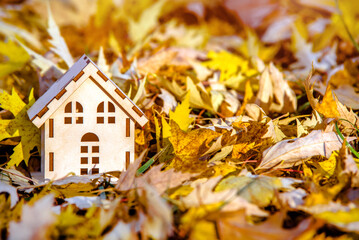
[252, 109]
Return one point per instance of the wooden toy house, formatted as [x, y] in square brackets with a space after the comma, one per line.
[87, 123]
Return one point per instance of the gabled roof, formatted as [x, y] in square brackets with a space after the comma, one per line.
[83, 69]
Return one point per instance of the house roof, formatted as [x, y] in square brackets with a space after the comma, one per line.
[83, 69]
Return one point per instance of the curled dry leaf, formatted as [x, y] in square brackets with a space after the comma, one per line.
[235, 226]
[328, 106]
[127, 178]
[158, 222]
[203, 194]
[162, 180]
[258, 190]
[274, 92]
[288, 153]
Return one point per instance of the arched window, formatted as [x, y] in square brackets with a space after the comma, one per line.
[89, 137]
[106, 110]
[90, 154]
[76, 114]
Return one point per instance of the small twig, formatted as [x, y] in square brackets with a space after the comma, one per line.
[291, 170]
[200, 115]
[152, 100]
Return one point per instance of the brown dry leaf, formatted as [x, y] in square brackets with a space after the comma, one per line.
[265, 93]
[274, 132]
[348, 165]
[234, 226]
[348, 115]
[162, 180]
[203, 194]
[252, 12]
[328, 106]
[250, 136]
[256, 189]
[159, 219]
[127, 178]
[188, 147]
[274, 93]
[154, 62]
[348, 96]
[292, 152]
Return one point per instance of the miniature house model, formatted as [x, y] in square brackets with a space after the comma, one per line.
[87, 123]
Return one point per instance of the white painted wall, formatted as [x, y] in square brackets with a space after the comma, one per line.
[66, 142]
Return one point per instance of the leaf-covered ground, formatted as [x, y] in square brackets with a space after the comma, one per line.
[252, 109]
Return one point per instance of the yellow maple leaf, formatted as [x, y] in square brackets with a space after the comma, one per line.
[190, 144]
[347, 13]
[188, 147]
[190, 218]
[248, 95]
[158, 133]
[340, 217]
[253, 47]
[307, 171]
[181, 114]
[17, 57]
[229, 64]
[330, 164]
[198, 97]
[19, 126]
[148, 20]
[204, 230]
[328, 106]
[166, 129]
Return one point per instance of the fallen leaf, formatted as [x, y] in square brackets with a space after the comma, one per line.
[16, 57]
[346, 95]
[329, 165]
[11, 191]
[288, 153]
[27, 228]
[274, 92]
[158, 223]
[229, 64]
[322, 60]
[169, 101]
[127, 178]
[203, 194]
[162, 180]
[57, 41]
[252, 47]
[19, 126]
[123, 231]
[198, 97]
[147, 21]
[258, 190]
[181, 114]
[234, 226]
[188, 147]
